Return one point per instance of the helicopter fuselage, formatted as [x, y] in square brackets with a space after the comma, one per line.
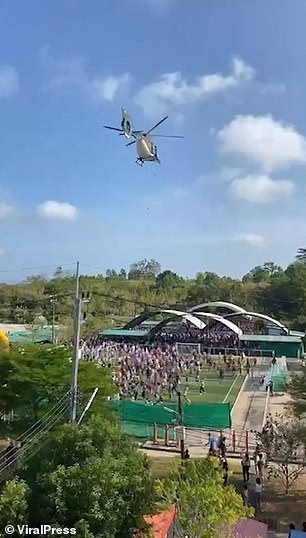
[146, 150]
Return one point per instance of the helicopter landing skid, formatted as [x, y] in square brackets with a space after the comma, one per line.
[139, 162]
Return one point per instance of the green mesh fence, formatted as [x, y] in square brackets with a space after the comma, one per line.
[279, 375]
[137, 418]
[279, 383]
[145, 431]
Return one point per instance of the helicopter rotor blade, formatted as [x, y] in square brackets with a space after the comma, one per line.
[166, 136]
[130, 143]
[112, 128]
[157, 124]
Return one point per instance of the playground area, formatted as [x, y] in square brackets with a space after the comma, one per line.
[217, 390]
[206, 406]
[236, 404]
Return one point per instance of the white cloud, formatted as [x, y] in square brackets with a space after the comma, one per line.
[228, 173]
[2, 252]
[73, 72]
[260, 188]
[9, 81]
[225, 174]
[252, 240]
[263, 141]
[57, 211]
[6, 210]
[173, 90]
[108, 87]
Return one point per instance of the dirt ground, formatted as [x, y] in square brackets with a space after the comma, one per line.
[278, 509]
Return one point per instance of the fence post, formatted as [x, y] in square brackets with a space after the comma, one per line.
[234, 440]
[166, 435]
[155, 434]
[247, 441]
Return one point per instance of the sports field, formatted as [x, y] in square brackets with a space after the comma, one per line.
[216, 390]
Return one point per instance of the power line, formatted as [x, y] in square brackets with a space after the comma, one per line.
[20, 269]
[54, 415]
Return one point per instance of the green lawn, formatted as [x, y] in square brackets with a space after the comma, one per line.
[216, 389]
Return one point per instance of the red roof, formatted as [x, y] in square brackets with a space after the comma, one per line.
[249, 528]
[161, 523]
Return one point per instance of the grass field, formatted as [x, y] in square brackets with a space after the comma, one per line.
[217, 391]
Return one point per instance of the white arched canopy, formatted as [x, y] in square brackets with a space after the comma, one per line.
[219, 304]
[188, 317]
[261, 316]
[226, 322]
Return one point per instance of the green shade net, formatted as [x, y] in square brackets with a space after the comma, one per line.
[279, 375]
[137, 418]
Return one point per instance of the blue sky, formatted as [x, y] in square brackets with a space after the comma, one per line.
[230, 74]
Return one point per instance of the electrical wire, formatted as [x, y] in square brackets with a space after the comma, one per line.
[15, 456]
[39, 427]
[59, 411]
[39, 422]
[20, 269]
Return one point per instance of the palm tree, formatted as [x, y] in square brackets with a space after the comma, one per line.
[301, 255]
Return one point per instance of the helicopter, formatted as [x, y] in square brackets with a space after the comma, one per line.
[126, 125]
[146, 150]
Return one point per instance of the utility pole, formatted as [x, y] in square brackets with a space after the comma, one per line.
[76, 346]
[53, 301]
[181, 423]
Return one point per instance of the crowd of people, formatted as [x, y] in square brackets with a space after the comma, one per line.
[189, 334]
[149, 372]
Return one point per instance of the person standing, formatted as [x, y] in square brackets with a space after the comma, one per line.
[245, 464]
[291, 528]
[245, 495]
[211, 444]
[225, 471]
[258, 491]
[202, 387]
[260, 466]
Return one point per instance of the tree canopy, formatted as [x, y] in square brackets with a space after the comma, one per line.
[91, 477]
[205, 507]
[119, 295]
[281, 441]
[297, 390]
[94, 478]
[37, 374]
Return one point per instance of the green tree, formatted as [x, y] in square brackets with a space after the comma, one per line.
[168, 280]
[281, 441]
[13, 504]
[144, 269]
[301, 255]
[205, 506]
[297, 390]
[115, 298]
[262, 273]
[37, 374]
[91, 476]
[111, 273]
